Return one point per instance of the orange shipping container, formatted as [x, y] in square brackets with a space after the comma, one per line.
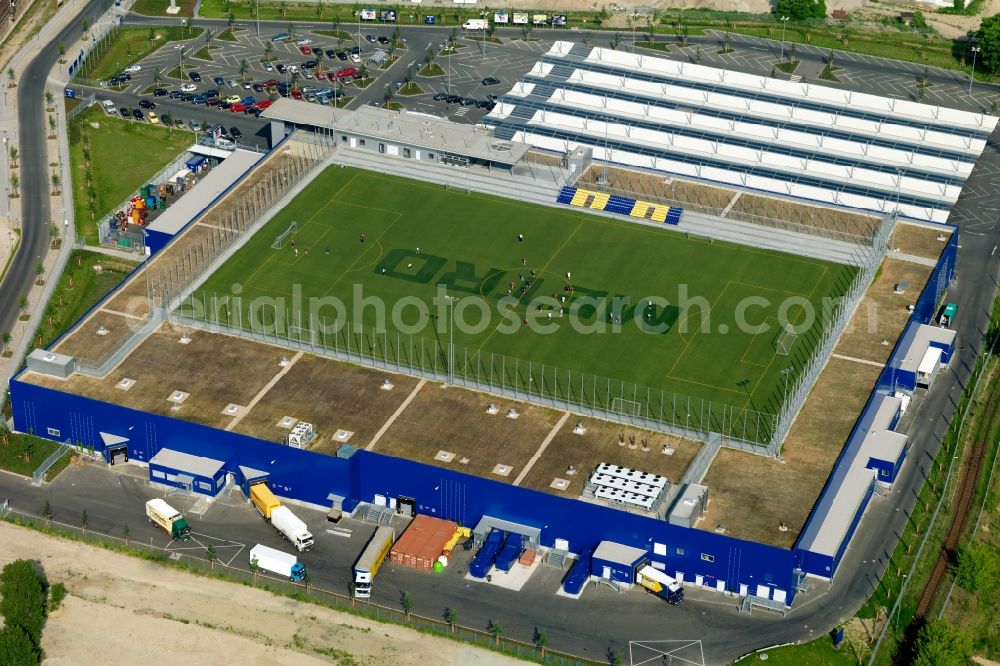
[422, 542]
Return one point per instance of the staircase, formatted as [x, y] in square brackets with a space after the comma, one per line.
[378, 515]
[556, 558]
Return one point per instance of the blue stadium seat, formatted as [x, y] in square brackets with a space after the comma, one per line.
[674, 215]
[566, 195]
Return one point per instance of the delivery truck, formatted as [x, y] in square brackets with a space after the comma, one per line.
[476, 24]
[371, 559]
[292, 528]
[277, 562]
[281, 517]
[170, 519]
[660, 584]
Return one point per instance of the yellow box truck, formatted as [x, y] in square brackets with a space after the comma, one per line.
[263, 499]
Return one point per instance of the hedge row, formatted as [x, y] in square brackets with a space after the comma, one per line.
[23, 595]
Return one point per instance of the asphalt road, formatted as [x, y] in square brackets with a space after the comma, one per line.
[602, 617]
[34, 171]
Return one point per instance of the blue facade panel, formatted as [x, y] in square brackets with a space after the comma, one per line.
[312, 477]
[204, 485]
[616, 571]
[157, 240]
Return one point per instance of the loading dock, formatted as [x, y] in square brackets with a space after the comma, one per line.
[205, 476]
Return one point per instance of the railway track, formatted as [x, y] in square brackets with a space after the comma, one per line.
[965, 495]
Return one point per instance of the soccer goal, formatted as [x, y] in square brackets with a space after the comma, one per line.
[279, 241]
[626, 407]
[785, 340]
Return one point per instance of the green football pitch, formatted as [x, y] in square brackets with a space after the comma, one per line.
[640, 320]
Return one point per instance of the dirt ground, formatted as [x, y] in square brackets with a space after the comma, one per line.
[600, 444]
[752, 495]
[332, 396]
[123, 610]
[640, 184]
[918, 241]
[455, 420]
[882, 314]
[810, 216]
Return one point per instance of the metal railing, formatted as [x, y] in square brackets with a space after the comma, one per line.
[39, 474]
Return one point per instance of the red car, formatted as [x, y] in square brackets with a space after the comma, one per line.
[332, 76]
[262, 104]
[347, 73]
[270, 82]
[306, 50]
[296, 94]
[238, 108]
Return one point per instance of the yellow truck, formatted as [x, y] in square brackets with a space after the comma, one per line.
[263, 499]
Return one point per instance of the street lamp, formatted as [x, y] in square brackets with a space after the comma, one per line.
[256, 15]
[784, 24]
[784, 397]
[975, 50]
[451, 338]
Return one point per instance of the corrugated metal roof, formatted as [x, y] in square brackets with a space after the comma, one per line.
[185, 462]
[609, 551]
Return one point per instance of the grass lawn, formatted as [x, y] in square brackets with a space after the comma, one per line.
[159, 7]
[469, 243]
[13, 448]
[410, 89]
[432, 69]
[656, 46]
[819, 652]
[130, 45]
[227, 35]
[70, 303]
[146, 149]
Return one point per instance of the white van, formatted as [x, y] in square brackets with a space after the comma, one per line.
[476, 24]
[109, 107]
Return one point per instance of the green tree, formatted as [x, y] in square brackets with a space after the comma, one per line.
[244, 67]
[15, 182]
[940, 644]
[541, 640]
[56, 595]
[450, 616]
[210, 554]
[56, 180]
[47, 512]
[988, 39]
[13, 157]
[84, 520]
[16, 648]
[27, 448]
[406, 601]
[6, 352]
[977, 566]
[800, 9]
[495, 629]
[126, 532]
[387, 96]
[49, 98]
[254, 568]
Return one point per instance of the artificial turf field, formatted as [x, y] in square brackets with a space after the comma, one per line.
[470, 244]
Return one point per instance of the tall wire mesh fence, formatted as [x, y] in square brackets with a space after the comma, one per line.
[302, 591]
[186, 260]
[806, 378]
[499, 374]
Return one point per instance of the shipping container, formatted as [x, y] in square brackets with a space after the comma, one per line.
[422, 542]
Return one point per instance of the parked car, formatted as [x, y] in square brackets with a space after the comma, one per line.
[131, 69]
[305, 50]
[232, 83]
[305, 41]
[249, 100]
[179, 123]
[281, 37]
[371, 39]
[383, 40]
[152, 118]
[225, 105]
[238, 108]
[200, 99]
[270, 82]
[268, 67]
[468, 101]
[296, 94]
[262, 104]
[195, 76]
[212, 101]
[347, 73]
[491, 81]
[309, 64]
[453, 99]
[188, 87]
[176, 94]
[124, 112]
[219, 81]
[355, 50]
[187, 97]
[317, 51]
[355, 57]
[137, 114]
[483, 104]
[440, 97]
[282, 68]
[147, 104]
[212, 93]
[160, 92]
[258, 87]
[307, 74]
[341, 55]
[331, 54]
[166, 120]
[235, 132]
[234, 99]
[248, 85]
[194, 125]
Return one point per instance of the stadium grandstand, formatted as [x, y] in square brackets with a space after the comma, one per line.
[787, 139]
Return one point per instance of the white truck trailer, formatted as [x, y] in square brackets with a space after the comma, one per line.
[169, 518]
[371, 559]
[275, 561]
[292, 528]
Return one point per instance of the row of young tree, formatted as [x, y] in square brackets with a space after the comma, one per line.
[25, 599]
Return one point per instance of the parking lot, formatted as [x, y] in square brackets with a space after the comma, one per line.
[245, 75]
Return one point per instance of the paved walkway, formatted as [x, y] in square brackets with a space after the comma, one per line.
[395, 415]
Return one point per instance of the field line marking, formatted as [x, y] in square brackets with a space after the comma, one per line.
[309, 219]
[261, 393]
[855, 359]
[540, 270]
[750, 344]
[541, 449]
[777, 291]
[377, 242]
[687, 342]
[395, 415]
